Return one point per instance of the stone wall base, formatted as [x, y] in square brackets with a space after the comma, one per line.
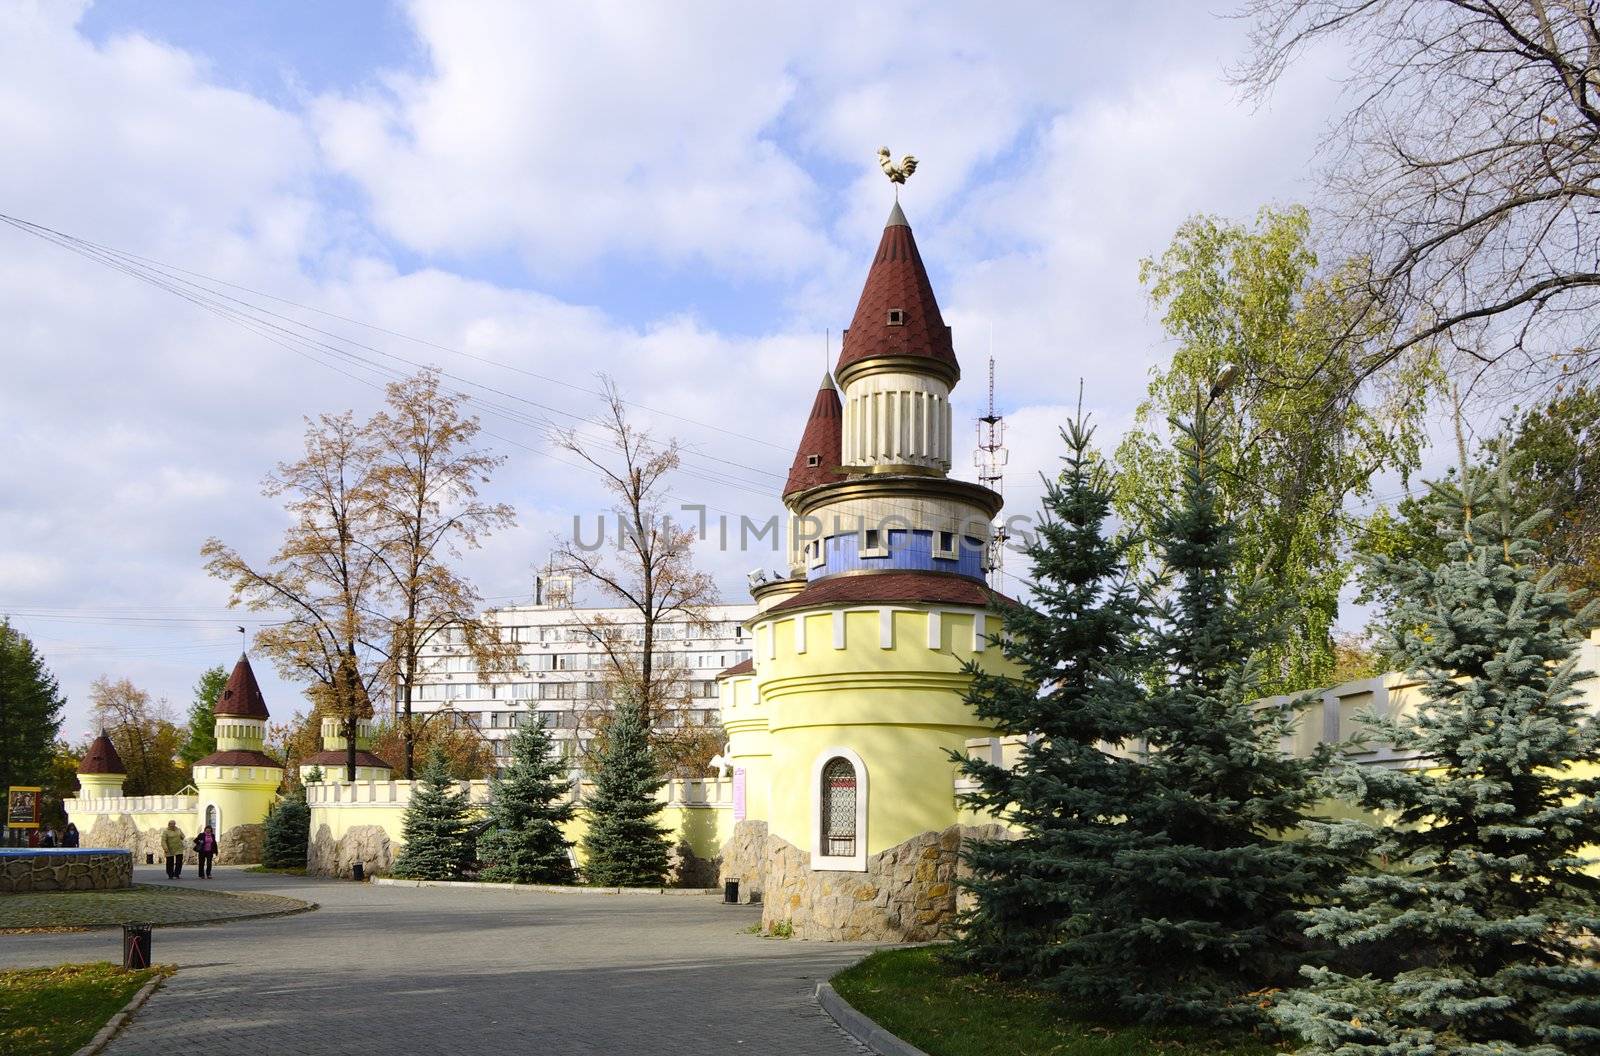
[240, 845]
[744, 858]
[368, 844]
[687, 869]
[908, 893]
[65, 871]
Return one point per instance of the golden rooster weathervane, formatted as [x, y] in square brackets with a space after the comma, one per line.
[897, 173]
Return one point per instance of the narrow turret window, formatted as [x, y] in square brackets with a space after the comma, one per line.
[839, 808]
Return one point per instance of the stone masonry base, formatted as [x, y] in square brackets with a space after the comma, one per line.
[908, 893]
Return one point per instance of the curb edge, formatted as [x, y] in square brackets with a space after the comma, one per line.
[549, 889]
[859, 1027]
[120, 1018]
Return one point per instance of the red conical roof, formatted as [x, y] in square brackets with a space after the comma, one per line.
[241, 697]
[821, 445]
[102, 757]
[898, 283]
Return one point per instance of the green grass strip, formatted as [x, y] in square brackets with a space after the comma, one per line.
[55, 1011]
[913, 994]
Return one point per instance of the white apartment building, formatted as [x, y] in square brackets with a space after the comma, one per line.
[563, 669]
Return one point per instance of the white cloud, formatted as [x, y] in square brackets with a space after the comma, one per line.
[716, 142]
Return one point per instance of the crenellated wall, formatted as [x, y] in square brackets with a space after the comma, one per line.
[363, 822]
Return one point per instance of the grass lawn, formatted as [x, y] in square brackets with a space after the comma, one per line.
[141, 903]
[55, 1011]
[914, 995]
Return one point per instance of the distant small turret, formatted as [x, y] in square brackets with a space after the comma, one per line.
[101, 771]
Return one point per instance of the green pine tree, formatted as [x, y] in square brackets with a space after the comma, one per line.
[288, 831]
[1039, 895]
[30, 711]
[1476, 936]
[1207, 907]
[529, 804]
[438, 833]
[625, 846]
[202, 738]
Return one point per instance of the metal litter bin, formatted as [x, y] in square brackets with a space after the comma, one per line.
[730, 891]
[136, 945]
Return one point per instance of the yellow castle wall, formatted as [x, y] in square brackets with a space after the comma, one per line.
[885, 682]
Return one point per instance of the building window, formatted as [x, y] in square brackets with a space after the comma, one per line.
[839, 813]
[813, 461]
[897, 317]
[839, 809]
[873, 543]
[944, 544]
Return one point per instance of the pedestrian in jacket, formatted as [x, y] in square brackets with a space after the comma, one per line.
[70, 837]
[205, 850]
[172, 846]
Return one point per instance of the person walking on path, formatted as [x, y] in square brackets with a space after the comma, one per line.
[172, 845]
[70, 837]
[205, 850]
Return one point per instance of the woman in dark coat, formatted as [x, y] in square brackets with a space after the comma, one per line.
[70, 837]
[205, 849]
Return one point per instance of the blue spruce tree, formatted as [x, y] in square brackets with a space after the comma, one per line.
[1208, 888]
[527, 807]
[625, 845]
[1040, 897]
[1475, 919]
[437, 830]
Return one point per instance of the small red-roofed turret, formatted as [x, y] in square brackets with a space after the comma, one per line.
[817, 459]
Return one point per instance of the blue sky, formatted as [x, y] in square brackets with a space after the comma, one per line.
[683, 196]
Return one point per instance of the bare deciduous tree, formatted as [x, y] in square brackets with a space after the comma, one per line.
[325, 576]
[1466, 173]
[364, 572]
[426, 505]
[648, 568]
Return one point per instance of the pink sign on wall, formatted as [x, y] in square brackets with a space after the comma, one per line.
[738, 794]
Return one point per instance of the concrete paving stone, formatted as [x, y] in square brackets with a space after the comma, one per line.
[395, 970]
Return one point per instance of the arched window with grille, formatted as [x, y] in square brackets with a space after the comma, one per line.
[840, 812]
[839, 809]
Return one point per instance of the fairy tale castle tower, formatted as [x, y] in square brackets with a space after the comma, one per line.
[238, 782]
[840, 728]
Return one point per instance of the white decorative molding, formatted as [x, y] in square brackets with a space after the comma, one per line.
[838, 628]
[935, 629]
[855, 863]
[886, 628]
[800, 633]
[979, 632]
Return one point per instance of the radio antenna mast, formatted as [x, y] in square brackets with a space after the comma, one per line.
[990, 458]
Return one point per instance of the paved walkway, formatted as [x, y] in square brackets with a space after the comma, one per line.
[394, 971]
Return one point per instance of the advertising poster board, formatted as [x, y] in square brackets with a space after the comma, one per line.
[24, 805]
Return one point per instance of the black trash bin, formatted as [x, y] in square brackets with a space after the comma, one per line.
[358, 871]
[136, 945]
[730, 891]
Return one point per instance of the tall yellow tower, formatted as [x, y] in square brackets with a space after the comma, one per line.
[239, 781]
[841, 733]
